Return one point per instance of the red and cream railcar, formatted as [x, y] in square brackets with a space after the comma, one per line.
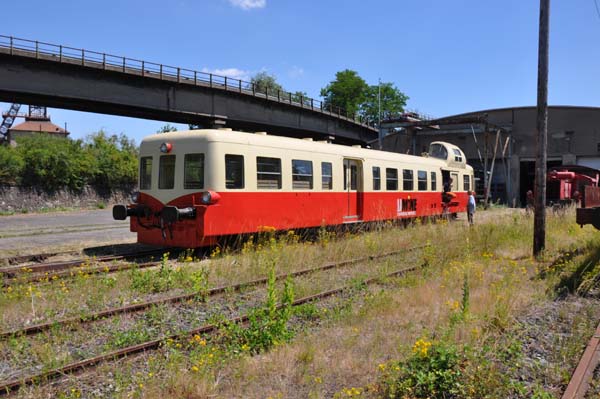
[199, 185]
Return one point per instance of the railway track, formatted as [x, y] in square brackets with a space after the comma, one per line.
[37, 328]
[51, 270]
[15, 260]
[584, 372]
[87, 364]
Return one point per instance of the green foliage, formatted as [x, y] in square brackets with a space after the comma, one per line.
[392, 102]
[351, 93]
[433, 371]
[347, 91]
[464, 304]
[53, 163]
[200, 285]
[264, 82]
[267, 325]
[115, 160]
[11, 166]
[167, 128]
[122, 339]
[154, 281]
[301, 97]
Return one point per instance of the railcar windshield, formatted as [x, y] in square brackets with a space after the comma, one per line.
[438, 151]
[145, 173]
[193, 167]
[166, 172]
[234, 171]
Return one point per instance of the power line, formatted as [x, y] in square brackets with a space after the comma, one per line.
[597, 9]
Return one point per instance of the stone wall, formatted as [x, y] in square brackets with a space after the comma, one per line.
[31, 199]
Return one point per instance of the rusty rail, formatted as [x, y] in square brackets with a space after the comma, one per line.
[50, 270]
[17, 383]
[14, 260]
[580, 380]
[15, 46]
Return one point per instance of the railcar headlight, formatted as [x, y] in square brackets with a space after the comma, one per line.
[206, 197]
[135, 197]
[210, 197]
[166, 147]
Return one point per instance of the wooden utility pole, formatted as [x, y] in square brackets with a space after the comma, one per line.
[539, 221]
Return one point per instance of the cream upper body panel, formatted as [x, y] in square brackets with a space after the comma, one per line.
[216, 144]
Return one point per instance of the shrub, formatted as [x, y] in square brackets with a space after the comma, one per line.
[11, 166]
[53, 163]
[432, 371]
[267, 324]
[115, 160]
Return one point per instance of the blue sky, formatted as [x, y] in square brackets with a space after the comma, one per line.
[449, 57]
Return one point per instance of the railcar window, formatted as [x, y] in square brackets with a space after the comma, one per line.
[467, 182]
[376, 178]
[457, 155]
[408, 183]
[433, 181]
[302, 174]
[145, 173]
[353, 176]
[422, 182]
[268, 173]
[327, 175]
[391, 179]
[234, 171]
[166, 172]
[438, 151]
[193, 171]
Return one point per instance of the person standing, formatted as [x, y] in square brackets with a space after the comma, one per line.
[471, 205]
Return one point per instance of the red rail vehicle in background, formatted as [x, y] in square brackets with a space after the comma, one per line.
[566, 183]
[569, 184]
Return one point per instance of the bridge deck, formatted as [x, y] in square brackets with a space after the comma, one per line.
[44, 52]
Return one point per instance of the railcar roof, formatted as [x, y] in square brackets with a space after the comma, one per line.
[234, 137]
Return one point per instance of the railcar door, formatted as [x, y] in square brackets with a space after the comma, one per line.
[353, 185]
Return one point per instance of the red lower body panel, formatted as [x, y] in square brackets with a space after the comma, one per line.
[244, 212]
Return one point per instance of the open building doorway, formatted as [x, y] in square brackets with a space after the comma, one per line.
[527, 180]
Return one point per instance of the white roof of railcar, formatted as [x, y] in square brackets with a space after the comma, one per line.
[280, 142]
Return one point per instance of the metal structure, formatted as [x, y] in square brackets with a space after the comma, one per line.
[71, 78]
[8, 119]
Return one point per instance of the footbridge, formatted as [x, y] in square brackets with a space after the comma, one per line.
[34, 72]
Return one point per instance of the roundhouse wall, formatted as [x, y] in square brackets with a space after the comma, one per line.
[573, 137]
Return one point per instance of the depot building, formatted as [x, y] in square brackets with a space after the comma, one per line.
[506, 138]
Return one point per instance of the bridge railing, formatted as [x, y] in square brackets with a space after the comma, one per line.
[87, 58]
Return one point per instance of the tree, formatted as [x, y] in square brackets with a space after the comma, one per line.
[11, 165]
[301, 97]
[392, 102]
[264, 82]
[167, 128]
[53, 163]
[347, 91]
